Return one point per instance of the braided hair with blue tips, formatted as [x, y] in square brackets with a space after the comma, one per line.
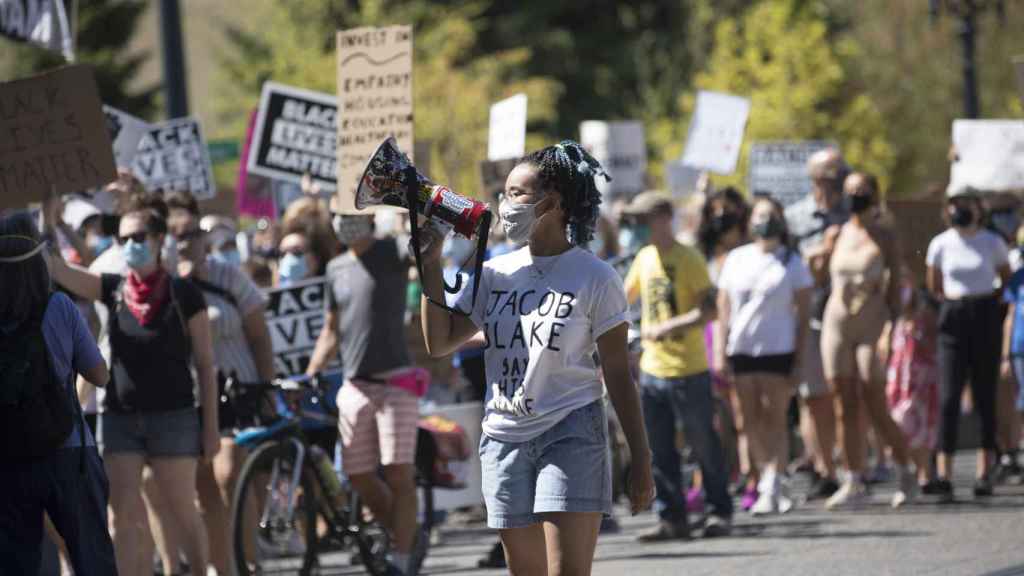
[572, 171]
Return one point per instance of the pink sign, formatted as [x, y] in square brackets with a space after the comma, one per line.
[254, 193]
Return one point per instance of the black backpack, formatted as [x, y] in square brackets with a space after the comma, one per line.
[36, 411]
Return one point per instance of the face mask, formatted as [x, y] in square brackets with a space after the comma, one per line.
[292, 268]
[99, 244]
[859, 203]
[768, 229]
[229, 257]
[724, 223]
[518, 220]
[962, 217]
[351, 229]
[137, 255]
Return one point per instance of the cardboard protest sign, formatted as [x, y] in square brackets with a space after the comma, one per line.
[507, 135]
[295, 316]
[40, 22]
[374, 99]
[990, 155]
[493, 176]
[780, 168]
[716, 132]
[125, 132]
[296, 132]
[52, 136]
[621, 150]
[173, 156]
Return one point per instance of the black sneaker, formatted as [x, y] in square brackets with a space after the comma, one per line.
[717, 526]
[982, 487]
[666, 531]
[939, 487]
[822, 489]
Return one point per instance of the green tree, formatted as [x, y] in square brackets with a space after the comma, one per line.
[104, 31]
[780, 55]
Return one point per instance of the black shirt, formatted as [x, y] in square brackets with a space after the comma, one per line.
[151, 365]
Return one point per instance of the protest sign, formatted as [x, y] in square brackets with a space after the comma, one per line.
[681, 179]
[53, 136]
[43, 23]
[295, 316]
[296, 133]
[507, 135]
[621, 150]
[374, 99]
[716, 132]
[173, 156]
[780, 168]
[493, 176]
[125, 132]
[990, 155]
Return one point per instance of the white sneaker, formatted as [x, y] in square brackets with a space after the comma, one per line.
[784, 502]
[851, 494]
[766, 504]
[908, 488]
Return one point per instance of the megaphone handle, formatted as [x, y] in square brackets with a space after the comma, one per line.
[412, 200]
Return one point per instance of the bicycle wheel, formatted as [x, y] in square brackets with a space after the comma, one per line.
[273, 516]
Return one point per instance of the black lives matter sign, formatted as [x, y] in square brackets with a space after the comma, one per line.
[173, 156]
[53, 136]
[295, 317]
[296, 133]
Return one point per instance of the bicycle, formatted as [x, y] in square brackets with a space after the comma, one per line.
[286, 483]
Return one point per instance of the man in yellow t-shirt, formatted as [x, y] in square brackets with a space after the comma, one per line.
[677, 301]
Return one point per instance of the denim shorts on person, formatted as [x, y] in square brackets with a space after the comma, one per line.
[565, 469]
[173, 433]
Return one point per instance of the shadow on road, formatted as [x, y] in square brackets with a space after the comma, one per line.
[675, 555]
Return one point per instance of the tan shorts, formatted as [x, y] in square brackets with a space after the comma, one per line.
[378, 424]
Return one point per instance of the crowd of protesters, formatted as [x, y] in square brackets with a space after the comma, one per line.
[748, 314]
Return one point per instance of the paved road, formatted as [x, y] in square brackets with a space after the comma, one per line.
[965, 538]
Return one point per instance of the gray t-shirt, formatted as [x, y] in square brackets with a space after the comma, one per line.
[368, 294]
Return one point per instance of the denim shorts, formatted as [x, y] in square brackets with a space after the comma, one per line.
[174, 433]
[565, 469]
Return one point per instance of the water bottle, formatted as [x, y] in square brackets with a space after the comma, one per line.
[328, 477]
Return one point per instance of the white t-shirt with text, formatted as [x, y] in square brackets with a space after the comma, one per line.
[969, 264]
[762, 288]
[542, 317]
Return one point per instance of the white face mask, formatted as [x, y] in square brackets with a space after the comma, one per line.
[519, 220]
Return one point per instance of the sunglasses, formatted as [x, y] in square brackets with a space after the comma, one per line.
[138, 238]
[189, 235]
[294, 252]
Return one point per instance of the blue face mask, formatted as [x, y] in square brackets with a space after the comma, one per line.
[229, 257]
[137, 254]
[100, 244]
[633, 238]
[291, 269]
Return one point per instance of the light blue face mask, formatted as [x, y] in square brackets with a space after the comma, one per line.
[229, 257]
[101, 244]
[137, 255]
[291, 269]
[633, 238]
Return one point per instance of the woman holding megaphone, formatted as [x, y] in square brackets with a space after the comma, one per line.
[553, 315]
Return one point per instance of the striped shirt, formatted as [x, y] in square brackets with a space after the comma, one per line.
[231, 351]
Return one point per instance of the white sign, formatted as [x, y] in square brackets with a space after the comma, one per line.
[780, 168]
[507, 136]
[716, 132]
[681, 179]
[295, 317]
[125, 132]
[173, 156]
[990, 155]
[470, 416]
[621, 150]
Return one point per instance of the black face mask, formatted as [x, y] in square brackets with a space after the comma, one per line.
[860, 203]
[770, 228]
[962, 217]
[724, 222]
